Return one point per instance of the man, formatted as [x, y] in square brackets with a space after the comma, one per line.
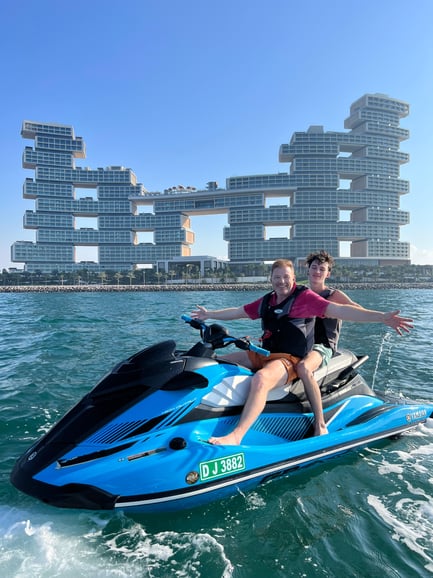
[327, 334]
[287, 315]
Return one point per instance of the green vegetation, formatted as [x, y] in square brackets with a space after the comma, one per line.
[190, 274]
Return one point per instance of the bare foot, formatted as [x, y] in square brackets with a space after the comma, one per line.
[320, 430]
[231, 439]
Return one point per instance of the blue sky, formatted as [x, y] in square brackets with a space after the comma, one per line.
[191, 91]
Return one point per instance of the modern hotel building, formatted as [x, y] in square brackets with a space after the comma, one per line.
[341, 193]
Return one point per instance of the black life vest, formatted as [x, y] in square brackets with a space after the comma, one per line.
[327, 330]
[282, 333]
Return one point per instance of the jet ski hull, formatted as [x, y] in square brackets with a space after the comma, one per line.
[139, 440]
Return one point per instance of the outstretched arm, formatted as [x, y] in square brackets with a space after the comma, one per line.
[352, 313]
[221, 314]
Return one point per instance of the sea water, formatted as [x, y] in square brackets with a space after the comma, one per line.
[367, 513]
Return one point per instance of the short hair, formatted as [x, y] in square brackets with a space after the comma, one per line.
[321, 256]
[282, 263]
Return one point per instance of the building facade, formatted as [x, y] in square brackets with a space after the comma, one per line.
[342, 190]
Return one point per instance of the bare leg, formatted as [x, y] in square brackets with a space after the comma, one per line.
[305, 370]
[272, 375]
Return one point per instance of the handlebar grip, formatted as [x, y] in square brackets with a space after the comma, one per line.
[195, 323]
[259, 350]
[226, 339]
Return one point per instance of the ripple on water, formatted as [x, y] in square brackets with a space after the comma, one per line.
[68, 546]
[366, 513]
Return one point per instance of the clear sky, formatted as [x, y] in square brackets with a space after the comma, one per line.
[191, 91]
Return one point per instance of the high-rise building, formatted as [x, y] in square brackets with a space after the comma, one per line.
[342, 194]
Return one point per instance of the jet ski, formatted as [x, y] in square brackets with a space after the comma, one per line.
[138, 441]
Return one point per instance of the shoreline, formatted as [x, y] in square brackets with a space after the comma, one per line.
[193, 287]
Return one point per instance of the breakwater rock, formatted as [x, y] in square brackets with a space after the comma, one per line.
[131, 288]
[194, 287]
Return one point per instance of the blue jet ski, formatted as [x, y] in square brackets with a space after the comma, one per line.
[139, 440]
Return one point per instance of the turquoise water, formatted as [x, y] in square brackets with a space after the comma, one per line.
[368, 513]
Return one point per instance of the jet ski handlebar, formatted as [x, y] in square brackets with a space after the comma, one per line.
[217, 336]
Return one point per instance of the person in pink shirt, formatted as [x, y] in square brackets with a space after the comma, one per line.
[288, 315]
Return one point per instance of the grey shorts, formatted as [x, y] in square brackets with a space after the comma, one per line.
[325, 352]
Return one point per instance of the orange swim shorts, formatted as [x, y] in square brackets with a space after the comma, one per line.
[289, 361]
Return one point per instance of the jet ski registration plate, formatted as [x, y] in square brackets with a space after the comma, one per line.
[222, 467]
